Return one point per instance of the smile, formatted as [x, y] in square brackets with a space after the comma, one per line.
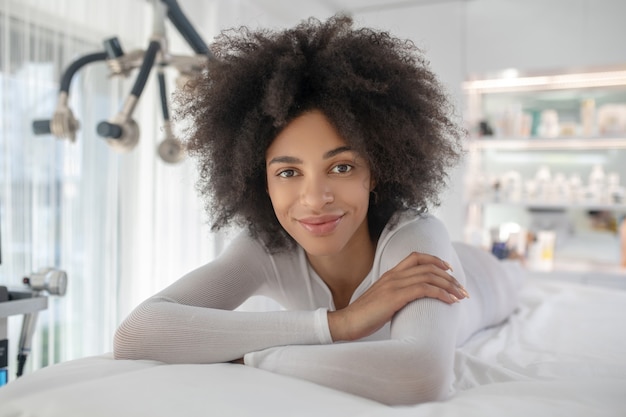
[321, 225]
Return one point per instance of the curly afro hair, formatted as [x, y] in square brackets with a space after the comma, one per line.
[377, 91]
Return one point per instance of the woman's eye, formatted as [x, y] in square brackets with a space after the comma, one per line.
[287, 173]
[342, 168]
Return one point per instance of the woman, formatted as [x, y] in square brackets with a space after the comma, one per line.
[327, 144]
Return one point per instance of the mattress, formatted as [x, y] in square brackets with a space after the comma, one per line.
[562, 353]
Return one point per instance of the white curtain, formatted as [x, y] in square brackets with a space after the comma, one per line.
[121, 226]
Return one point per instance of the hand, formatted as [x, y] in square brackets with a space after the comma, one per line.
[417, 276]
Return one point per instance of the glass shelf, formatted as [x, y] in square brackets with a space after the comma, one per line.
[548, 143]
[513, 81]
[546, 152]
[548, 205]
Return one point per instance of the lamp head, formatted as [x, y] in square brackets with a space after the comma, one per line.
[54, 281]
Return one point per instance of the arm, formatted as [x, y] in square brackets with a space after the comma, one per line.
[414, 365]
[191, 322]
[405, 370]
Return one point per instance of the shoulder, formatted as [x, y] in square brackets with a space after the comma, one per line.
[414, 224]
[245, 250]
[248, 252]
[410, 232]
[242, 244]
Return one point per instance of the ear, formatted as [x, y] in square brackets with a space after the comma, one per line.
[372, 184]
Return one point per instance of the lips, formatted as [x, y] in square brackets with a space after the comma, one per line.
[321, 225]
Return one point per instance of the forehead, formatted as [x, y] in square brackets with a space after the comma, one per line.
[310, 134]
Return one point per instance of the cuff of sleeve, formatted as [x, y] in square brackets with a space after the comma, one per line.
[321, 324]
[249, 360]
[322, 334]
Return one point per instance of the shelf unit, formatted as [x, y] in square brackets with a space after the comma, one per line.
[510, 149]
[549, 144]
[549, 205]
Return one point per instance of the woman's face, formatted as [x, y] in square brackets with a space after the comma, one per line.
[318, 186]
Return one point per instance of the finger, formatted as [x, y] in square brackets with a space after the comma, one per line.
[418, 258]
[424, 258]
[423, 272]
[428, 290]
[446, 283]
[405, 286]
[407, 291]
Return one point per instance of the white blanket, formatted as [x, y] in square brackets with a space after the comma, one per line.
[562, 354]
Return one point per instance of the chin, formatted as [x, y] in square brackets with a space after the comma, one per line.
[321, 247]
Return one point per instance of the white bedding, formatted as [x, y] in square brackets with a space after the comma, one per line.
[562, 354]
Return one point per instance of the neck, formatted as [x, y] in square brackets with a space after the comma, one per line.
[343, 272]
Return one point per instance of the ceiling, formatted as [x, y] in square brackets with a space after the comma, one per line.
[352, 7]
[362, 6]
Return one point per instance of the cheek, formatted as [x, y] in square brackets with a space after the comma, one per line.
[364, 196]
[368, 183]
[357, 193]
[278, 198]
[366, 186]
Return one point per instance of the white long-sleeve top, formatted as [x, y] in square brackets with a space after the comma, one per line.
[409, 360]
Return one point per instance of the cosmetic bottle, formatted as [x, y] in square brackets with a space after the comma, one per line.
[597, 184]
[588, 116]
[622, 241]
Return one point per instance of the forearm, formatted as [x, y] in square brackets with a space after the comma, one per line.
[407, 369]
[411, 381]
[416, 363]
[174, 333]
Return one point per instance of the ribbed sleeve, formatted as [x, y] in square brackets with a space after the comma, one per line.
[191, 321]
[415, 364]
[174, 333]
[406, 362]
[413, 368]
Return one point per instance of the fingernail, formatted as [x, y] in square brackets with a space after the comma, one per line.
[464, 291]
[453, 298]
[448, 265]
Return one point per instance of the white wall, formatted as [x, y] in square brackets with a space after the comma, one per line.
[461, 37]
[544, 34]
[439, 30]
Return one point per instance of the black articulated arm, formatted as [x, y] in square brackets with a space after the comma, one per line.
[186, 29]
[122, 126]
[163, 96]
[121, 131]
[146, 67]
[63, 123]
[66, 80]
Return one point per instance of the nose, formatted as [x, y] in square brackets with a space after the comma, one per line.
[316, 192]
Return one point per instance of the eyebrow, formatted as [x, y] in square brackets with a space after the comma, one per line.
[294, 160]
